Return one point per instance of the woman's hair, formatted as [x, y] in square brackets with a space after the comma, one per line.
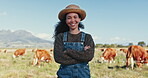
[61, 27]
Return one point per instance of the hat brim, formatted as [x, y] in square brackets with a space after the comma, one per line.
[81, 12]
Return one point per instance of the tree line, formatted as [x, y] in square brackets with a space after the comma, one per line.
[141, 43]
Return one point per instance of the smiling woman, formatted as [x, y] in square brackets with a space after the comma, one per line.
[73, 49]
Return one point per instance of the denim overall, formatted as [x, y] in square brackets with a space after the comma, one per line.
[79, 70]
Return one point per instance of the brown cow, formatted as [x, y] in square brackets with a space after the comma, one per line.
[19, 52]
[108, 55]
[124, 50]
[138, 54]
[41, 55]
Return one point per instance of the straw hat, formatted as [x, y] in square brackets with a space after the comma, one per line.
[72, 9]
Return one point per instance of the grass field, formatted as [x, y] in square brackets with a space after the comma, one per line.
[21, 67]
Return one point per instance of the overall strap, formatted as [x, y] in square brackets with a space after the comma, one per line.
[65, 36]
[83, 37]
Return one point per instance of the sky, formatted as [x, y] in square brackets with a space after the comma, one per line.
[108, 21]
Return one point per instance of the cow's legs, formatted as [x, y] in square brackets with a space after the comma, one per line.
[35, 60]
[127, 62]
[132, 62]
[39, 61]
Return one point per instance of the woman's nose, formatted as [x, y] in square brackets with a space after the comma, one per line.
[72, 19]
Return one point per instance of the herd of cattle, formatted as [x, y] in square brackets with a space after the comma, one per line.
[133, 53]
[40, 55]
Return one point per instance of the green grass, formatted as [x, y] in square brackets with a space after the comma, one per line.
[21, 67]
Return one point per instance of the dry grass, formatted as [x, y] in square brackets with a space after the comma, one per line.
[21, 67]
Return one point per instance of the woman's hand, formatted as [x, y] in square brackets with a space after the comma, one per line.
[86, 47]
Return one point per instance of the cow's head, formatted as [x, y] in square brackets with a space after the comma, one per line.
[14, 56]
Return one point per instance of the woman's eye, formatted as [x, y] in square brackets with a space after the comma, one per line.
[68, 18]
[75, 17]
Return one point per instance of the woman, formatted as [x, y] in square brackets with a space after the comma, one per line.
[73, 49]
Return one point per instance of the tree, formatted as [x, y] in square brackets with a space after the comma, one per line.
[130, 44]
[99, 45]
[142, 43]
[113, 45]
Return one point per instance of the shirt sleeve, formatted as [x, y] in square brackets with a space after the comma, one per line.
[85, 55]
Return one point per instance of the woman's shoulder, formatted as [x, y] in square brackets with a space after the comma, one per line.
[60, 35]
[87, 34]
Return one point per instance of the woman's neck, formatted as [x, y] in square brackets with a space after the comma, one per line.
[74, 31]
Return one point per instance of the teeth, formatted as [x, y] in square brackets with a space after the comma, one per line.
[72, 24]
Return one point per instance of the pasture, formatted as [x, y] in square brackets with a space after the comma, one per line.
[21, 67]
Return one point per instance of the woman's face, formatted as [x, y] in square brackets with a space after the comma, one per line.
[73, 20]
